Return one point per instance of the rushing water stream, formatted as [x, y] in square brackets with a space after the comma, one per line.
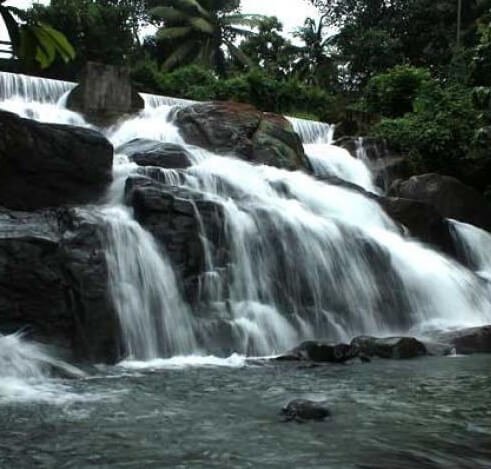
[294, 240]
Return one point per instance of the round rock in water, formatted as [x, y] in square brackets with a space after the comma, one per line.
[301, 410]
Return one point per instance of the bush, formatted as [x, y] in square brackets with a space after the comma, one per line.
[392, 94]
[255, 87]
[438, 133]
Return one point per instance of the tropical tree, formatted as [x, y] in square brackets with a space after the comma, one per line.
[316, 65]
[34, 41]
[270, 50]
[201, 29]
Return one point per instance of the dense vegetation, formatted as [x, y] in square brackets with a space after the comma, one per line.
[414, 72]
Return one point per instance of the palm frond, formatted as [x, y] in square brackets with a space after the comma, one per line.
[168, 14]
[173, 33]
[179, 55]
[201, 25]
[238, 54]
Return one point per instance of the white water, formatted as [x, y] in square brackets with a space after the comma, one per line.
[475, 245]
[308, 259]
[154, 319]
[330, 160]
[25, 371]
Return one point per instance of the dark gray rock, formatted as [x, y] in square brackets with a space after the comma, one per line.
[423, 222]
[53, 283]
[391, 347]
[320, 352]
[450, 197]
[176, 217]
[48, 165]
[146, 152]
[468, 341]
[302, 410]
[242, 130]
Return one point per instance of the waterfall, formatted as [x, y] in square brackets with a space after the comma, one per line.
[474, 245]
[32, 89]
[313, 131]
[154, 320]
[330, 160]
[306, 259]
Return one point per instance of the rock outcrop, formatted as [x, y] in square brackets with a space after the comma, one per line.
[389, 348]
[244, 131]
[320, 352]
[53, 283]
[146, 152]
[450, 197]
[49, 165]
[422, 221]
[185, 223]
[468, 341]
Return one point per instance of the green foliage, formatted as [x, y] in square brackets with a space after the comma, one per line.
[254, 87]
[392, 94]
[440, 131]
[199, 28]
[99, 31]
[35, 41]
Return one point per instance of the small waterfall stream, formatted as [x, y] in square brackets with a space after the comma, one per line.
[308, 259]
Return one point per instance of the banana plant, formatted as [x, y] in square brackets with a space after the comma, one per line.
[34, 41]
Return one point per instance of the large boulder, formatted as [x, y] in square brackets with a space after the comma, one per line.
[190, 227]
[244, 131]
[468, 341]
[48, 165]
[391, 347]
[145, 152]
[422, 221]
[450, 197]
[54, 283]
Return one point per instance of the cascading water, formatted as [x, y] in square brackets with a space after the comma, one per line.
[307, 259]
[154, 319]
[25, 369]
[474, 245]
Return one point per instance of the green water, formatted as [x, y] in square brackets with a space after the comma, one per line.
[428, 413]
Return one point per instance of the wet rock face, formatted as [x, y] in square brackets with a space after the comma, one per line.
[242, 130]
[146, 152]
[450, 197]
[422, 220]
[320, 352]
[303, 410]
[469, 341]
[390, 348]
[54, 283]
[176, 217]
[48, 165]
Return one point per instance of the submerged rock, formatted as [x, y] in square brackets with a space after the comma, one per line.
[49, 165]
[146, 152]
[391, 347]
[450, 197]
[243, 130]
[301, 410]
[320, 352]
